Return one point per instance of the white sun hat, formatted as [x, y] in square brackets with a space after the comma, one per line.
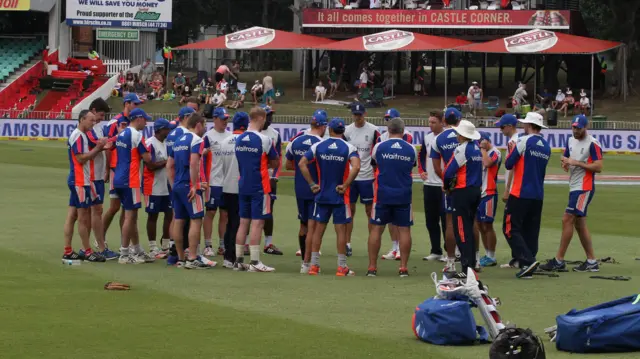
[466, 129]
[583, 94]
[534, 118]
[569, 92]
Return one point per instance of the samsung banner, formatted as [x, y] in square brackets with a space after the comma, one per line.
[615, 141]
[120, 13]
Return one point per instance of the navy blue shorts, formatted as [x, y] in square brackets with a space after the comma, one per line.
[487, 209]
[80, 196]
[97, 192]
[398, 215]
[214, 198]
[256, 206]
[129, 198]
[185, 209]
[362, 189]
[158, 204]
[305, 209]
[579, 202]
[323, 212]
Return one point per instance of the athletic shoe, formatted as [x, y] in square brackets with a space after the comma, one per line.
[304, 268]
[349, 251]
[180, 264]
[372, 272]
[227, 264]
[240, 266]
[94, 257]
[403, 272]
[444, 258]
[154, 251]
[587, 267]
[456, 275]
[488, 262]
[73, 256]
[163, 254]
[314, 270]
[207, 262]
[553, 265]
[390, 256]
[513, 263]
[146, 257]
[195, 264]
[172, 260]
[398, 256]
[478, 268]
[344, 272]
[527, 271]
[109, 255]
[260, 267]
[130, 259]
[433, 257]
[271, 249]
[449, 267]
[221, 251]
[208, 252]
[299, 253]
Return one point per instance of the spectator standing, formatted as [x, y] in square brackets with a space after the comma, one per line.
[146, 71]
[519, 97]
[269, 91]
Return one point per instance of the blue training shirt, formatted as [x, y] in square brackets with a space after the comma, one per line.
[465, 166]
[444, 145]
[528, 160]
[332, 157]
[189, 143]
[294, 152]
[253, 152]
[394, 160]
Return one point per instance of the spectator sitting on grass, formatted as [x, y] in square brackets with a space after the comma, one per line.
[585, 105]
[568, 103]
[320, 92]
[559, 99]
[186, 95]
[387, 84]
[461, 99]
[218, 99]
[239, 102]
[179, 83]
[130, 82]
[256, 91]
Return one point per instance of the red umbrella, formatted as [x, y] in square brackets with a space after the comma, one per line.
[395, 40]
[259, 38]
[540, 41]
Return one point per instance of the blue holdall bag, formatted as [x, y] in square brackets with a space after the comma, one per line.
[447, 322]
[605, 328]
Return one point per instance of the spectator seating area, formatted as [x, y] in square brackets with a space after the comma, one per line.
[17, 99]
[15, 53]
[64, 101]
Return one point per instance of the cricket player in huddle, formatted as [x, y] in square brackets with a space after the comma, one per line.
[491, 159]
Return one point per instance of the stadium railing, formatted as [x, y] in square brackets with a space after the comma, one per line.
[304, 119]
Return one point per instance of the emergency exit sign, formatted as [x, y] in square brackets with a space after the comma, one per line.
[118, 34]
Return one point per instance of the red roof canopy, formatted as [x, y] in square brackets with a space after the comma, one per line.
[541, 41]
[395, 40]
[258, 38]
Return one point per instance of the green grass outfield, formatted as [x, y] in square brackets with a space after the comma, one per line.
[55, 311]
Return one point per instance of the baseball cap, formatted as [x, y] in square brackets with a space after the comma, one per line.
[337, 124]
[132, 97]
[580, 121]
[452, 111]
[357, 108]
[138, 112]
[391, 113]
[319, 118]
[508, 119]
[240, 121]
[484, 135]
[160, 124]
[220, 113]
[185, 111]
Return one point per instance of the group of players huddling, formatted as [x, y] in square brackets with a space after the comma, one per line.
[188, 173]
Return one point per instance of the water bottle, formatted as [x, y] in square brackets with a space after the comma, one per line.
[70, 262]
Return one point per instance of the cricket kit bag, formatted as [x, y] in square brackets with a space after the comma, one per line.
[605, 328]
[447, 322]
[517, 343]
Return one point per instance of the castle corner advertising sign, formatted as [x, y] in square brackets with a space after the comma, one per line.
[155, 14]
[15, 5]
[456, 19]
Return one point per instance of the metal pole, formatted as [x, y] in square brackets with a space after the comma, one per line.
[535, 79]
[304, 72]
[593, 56]
[393, 74]
[624, 73]
[445, 80]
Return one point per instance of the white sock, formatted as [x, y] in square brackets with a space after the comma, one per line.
[267, 240]
[153, 245]
[137, 249]
[207, 243]
[172, 243]
[395, 246]
[491, 254]
[255, 253]
[124, 251]
[239, 251]
[348, 245]
[165, 242]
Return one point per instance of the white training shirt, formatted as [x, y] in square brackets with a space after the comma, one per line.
[215, 139]
[363, 138]
[158, 151]
[274, 136]
[432, 177]
[230, 165]
[510, 145]
[99, 163]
